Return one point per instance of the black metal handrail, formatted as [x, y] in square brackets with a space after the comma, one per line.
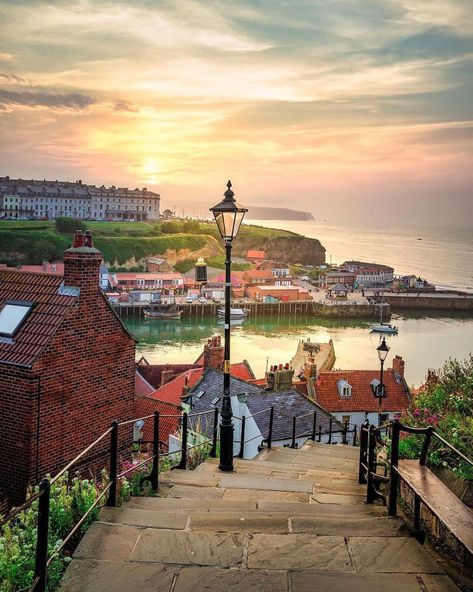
[43, 495]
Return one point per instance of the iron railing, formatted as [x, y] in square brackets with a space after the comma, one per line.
[370, 443]
[43, 495]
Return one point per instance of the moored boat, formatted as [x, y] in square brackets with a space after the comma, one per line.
[235, 313]
[384, 328]
[162, 311]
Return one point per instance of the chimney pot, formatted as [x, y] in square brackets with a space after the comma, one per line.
[78, 240]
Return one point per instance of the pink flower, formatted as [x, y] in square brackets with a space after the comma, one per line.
[416, 412]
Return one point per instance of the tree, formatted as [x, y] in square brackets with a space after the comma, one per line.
[68, 225]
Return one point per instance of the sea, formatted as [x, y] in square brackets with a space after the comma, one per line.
[443, 256]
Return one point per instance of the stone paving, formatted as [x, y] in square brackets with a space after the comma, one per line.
[288, 521]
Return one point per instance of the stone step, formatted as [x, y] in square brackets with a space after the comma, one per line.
[145, 518]
[366, 526]
[89, 575]
[297, 463]
[160, 504]
[338, 451]
[318, 509]
[255, 482]
[267, 466]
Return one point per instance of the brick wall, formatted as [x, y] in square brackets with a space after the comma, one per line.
[86, 380]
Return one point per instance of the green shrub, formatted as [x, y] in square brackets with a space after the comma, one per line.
[447, 405]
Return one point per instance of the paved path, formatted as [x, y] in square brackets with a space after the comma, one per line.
[288, 521]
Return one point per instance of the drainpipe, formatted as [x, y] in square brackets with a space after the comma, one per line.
[38, 426]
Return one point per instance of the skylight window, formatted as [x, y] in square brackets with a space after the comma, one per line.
[215, 401]
[13, 315]
[200, 394]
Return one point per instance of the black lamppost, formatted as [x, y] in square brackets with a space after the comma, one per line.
[380, 391]
[228, 216]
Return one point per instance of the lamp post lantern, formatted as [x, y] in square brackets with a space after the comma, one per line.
[380, 391]
[228, 216]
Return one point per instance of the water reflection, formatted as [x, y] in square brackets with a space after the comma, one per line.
[423, 341]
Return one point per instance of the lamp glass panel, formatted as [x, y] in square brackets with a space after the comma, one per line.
[382, 354]
[238, 220]
[220, 223]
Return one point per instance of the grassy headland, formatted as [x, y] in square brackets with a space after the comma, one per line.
[128, 243]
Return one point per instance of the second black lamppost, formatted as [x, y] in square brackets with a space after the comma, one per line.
[382, 350]
[228, 216]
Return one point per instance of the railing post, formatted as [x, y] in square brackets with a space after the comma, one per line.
[425, 446]
[354, 435]
[213, 452]
[294, 421]
[270, 432]
[370, 495]
[363, 454]
[41, 569]
[112, 493]
[394, 477]
[314, 427]
[241, 454]
[320, 433]
[330, 431]
[344, 432]
[183, 464]
[155, 469]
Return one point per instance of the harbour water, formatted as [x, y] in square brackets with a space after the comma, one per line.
[423, 341]
[444, 256]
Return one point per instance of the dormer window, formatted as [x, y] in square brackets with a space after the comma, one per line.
[344, 388]
[13, 315]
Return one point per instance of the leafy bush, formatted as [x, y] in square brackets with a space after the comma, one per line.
[69, 502]
[68, 225]
[447, 405]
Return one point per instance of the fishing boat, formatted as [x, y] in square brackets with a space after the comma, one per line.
[157, 310]
[235, 313]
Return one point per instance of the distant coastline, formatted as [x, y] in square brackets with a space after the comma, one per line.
[268, 213]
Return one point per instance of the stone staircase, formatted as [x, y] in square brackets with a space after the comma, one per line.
[288, 521]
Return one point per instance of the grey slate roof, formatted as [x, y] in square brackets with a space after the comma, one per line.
[211, 384]
[286, 404]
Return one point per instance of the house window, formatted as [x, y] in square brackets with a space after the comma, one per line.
[345, 419]
[344, 388]
[215, 401]
[13, 315]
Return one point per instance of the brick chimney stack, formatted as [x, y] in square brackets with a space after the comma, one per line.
[82, 264]
[214, 353]
[279, 378]
[398, 365]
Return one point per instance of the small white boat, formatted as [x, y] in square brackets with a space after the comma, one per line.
[384, 328]
[235, 313]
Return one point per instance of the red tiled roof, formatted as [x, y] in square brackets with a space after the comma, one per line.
[258, 381]
[301, 387]
[171, 391]
[53, 268]
[361, 399]
[142, 386]
[153, 373]
[145, 406]
[45, 318]
[258, 274]
[252, 254]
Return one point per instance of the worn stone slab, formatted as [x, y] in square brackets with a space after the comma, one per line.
[262, 483]
[175, 504]
[334, 498]
[359, 526]
[239, 522]
[253, 496]
[190, 478]
[193, 492]
[188, 548]
[112, 542]
[89, 575]
[339, 488]
[356, 582]
[144, 518]
[298, 551]
[191, 579]
[391, 555]
[312, 463]
[320, 509]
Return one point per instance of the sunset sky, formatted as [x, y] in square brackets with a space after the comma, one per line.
[352, 109]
